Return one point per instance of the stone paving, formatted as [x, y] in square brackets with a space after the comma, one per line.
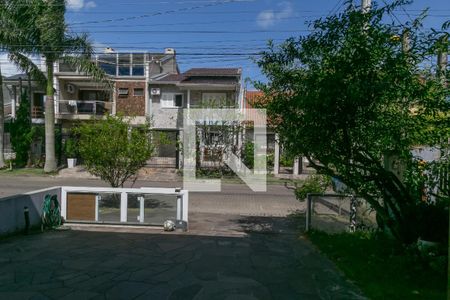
[251, 258]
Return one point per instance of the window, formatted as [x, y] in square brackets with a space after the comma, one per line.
[123, 92]
[171, 100]
[138, 92]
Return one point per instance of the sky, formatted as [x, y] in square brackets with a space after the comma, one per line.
[212, 33]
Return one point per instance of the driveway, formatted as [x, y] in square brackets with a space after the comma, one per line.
[264, 259]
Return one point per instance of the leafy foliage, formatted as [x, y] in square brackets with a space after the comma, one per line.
[314, 184]
[38, 28]
[71, 148]
[249, 154]
[349, 94]
[114, 150]
[22, 132]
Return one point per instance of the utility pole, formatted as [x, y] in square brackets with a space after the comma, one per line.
[442, 59]
[366, 5]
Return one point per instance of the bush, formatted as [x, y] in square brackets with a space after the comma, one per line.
[71, 148]
[249, 155]
[314, 184]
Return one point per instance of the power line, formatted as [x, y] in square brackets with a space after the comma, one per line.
[185, 9]
[196, 31]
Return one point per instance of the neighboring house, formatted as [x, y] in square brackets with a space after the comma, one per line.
[145, 86]
[195, 88]
[11, 91]
[282, 165]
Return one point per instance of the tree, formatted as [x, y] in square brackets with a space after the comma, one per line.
[38, 28]
[348, 95]
[22, 132]
[2, 122]
[114, 150]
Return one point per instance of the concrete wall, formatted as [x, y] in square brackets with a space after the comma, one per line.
[167, 118]
[11, 209]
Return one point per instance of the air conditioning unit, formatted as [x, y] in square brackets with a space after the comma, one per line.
[155, 92]
[70, 88]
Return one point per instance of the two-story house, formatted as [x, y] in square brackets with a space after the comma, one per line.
[195, 88]
[145, 86]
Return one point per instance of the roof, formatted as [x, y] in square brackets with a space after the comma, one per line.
[214, 72]
[253, 97]
[210, 80]
[16, 77]
[171, 78]
[222, 76]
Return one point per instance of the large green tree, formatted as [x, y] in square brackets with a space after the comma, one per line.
[37, 28]
[113, 149]
[2, 122]
[354, 91]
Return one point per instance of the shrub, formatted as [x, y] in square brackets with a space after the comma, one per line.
[71, 148]
[249, 155]
[316, 184]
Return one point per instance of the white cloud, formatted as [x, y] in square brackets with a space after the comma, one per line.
[77, 5]
[90, 4]
[8, 68]
[268, 18]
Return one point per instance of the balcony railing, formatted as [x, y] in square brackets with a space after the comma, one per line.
[81, 107]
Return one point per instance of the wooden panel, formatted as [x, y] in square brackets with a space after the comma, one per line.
[81, 207]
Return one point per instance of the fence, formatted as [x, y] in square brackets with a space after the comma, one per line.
[338, 213]
[81, 107]
[143, 206]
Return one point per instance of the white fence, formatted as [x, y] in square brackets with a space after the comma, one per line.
[142, 206]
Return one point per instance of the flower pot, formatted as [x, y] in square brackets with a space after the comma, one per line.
[71, 163]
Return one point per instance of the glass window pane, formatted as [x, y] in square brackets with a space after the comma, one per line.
[124, 70]
[108, 68]
[109, 208]
[138, 70]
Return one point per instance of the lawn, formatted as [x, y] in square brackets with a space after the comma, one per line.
[381, 268]
[24, 172]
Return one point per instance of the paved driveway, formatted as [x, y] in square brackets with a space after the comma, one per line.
[265, 261]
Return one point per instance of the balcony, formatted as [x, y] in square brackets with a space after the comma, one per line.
[82, 109]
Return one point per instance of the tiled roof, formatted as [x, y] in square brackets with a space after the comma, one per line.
[172, 78]
[17, 76]
[213, 72]
[210, 80]
[252, 98]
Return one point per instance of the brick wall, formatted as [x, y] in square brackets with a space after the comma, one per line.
[130, 105]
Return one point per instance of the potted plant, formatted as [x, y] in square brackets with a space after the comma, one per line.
[70, 150]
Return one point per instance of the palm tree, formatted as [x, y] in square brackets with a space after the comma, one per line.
[38, 28]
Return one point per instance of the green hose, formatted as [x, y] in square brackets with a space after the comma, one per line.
[51, 214]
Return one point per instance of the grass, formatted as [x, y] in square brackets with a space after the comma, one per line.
[381, 268]
[24, 172]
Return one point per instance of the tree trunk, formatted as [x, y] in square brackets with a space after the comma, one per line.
[50, 158]
[2, 122]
